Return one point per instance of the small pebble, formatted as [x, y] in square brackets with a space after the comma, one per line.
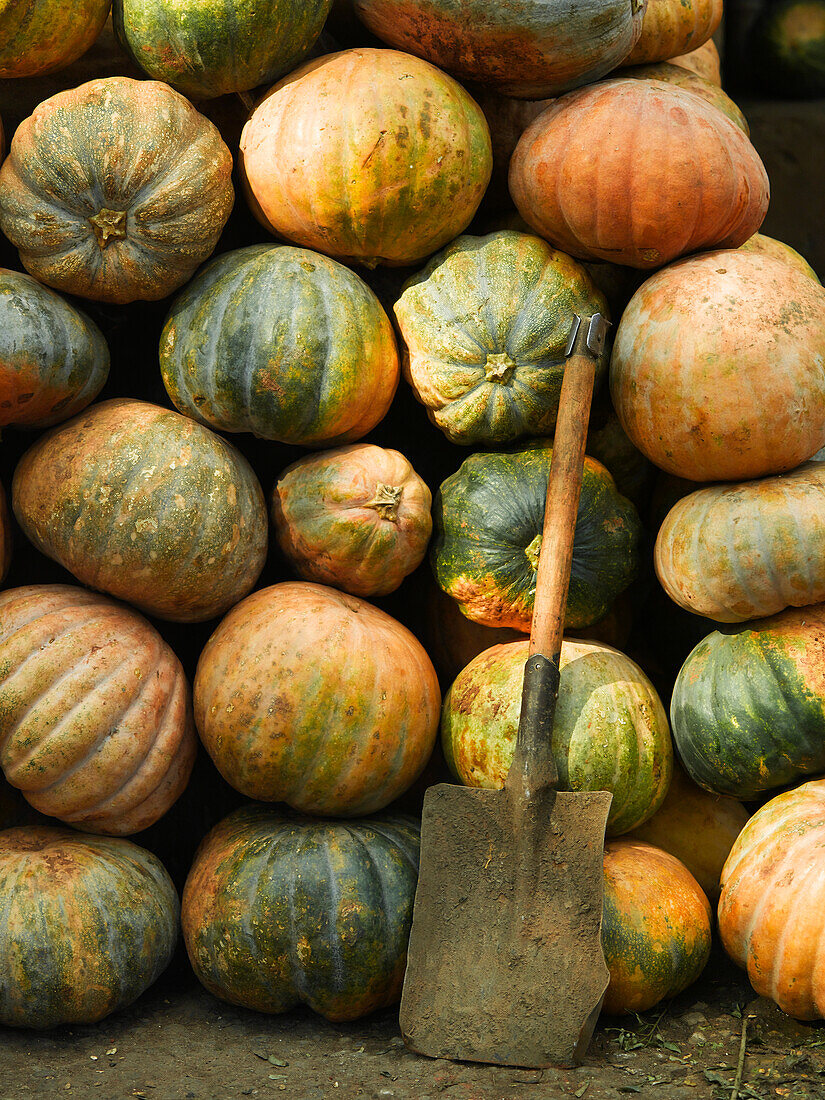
[697, 1039]
[694, 1018]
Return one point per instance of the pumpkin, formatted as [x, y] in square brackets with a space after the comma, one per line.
[5, 536]
[748, 705]
[693, 182]
[485, 327]
[489, 518]
[327, 157]
[697, 827]
[53, 359]
[773, 892]
[116, 190]
[207, 50]
[282, 342]
[285, 719]
[691, 82]
[690, 391]
[704, 61]
[769, 246]
[787, 42]
[147, 505]
[279, 911]
[95, 714]
[40, 36]
[507, 118]
[628, 467]
[530, 51]
[744, 551]
[610, 731]
[357, 518]
[656, 926]
[671, 28]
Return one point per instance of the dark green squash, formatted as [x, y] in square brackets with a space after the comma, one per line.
[489, 517]
[282, 911]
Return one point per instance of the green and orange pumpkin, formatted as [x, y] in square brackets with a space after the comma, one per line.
[769, 246]
[41, 36]
[787, 48]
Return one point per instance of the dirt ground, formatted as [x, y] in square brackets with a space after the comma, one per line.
[179, 1043]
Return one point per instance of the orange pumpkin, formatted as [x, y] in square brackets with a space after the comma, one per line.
[704, 61]
[674, 27]
[691, 82]
[40, 36]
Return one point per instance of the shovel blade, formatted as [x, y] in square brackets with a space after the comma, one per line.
[505, 962]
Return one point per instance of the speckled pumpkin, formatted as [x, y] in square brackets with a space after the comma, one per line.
[656, 926]
[53, 359]
[116, 190]
[691, 82]
[489, 517]
[704, 61]
[357, 518]
[282, 342]
[41, 36]
[207, 48]
[147, 505]
[485, 327]
[674, 27]
[95, 712]
[773, 898]
[312, 697]
[282, 911]
[769, 246]
[637, 172]
[5, 536]
[89, 923]
[748, 706]
[690, 391]
[610, 731]
[327, 156]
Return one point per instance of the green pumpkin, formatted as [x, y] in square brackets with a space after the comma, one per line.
[485, 326]
[282, 911]
[41, 36]
[281, 342]
[489, 516]
[207, 48]
[788, 48]
[748, 706]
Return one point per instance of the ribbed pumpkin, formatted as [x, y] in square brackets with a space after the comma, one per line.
[95, 712]
[282, 342]
[769, 246]
[312, 697]
[674, 27]
[357, 518]
[656, 926]
[147, 505]
[704, 61]
[368, 155]
[637, 172]
[485, 327]
[53, 359]
[207, 49]
[748, 706]
[691, 392]
[89, 923]
[531, 51]
[40, 36]
[116, 190]
[489, 517]
[697, 827]
[773, 899]
[691, 82]
[787, 44]
[610, 731]
[744, 551]
[5, 536]
[282, 911]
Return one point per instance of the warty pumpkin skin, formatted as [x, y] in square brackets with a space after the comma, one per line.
[610, 731]
[690, 391]
[89, 923]
[671, 28]
[5, 536]
[282, 342]
[773, 895]
[691, 82]
[747, 550]
[116, 190]
[207, 48]
[372, 156]
[584, 178]
[485, 327]
[53, 359]
[280, 911]
[95, 712]
[656, 926]
[704, 61]
[769, 246]
[286, 719]
[356, 518]
[489, 518]
[41, 36]
[145, 504]
[748, 705]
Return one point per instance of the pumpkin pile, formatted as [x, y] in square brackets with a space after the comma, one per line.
[277, 484]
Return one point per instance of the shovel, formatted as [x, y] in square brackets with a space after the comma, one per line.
[505, 962]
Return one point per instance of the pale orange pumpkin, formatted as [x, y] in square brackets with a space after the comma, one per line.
[674, 27]
[705, 61]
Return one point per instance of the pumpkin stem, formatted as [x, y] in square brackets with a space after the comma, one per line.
[533, 550]
[109, 225]
[386, 501]
[499, 367]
